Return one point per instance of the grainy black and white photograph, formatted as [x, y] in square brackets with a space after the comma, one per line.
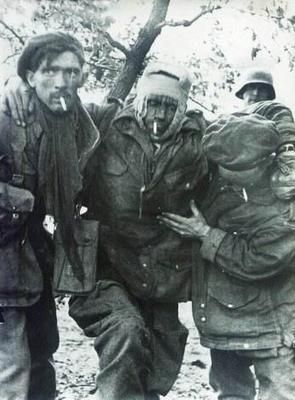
[147, 200]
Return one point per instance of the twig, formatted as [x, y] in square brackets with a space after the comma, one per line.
[201, 105]
[93, 64]
[8, 57]
[114, 42]
[188, 22]
[268, 15]
[12, 31]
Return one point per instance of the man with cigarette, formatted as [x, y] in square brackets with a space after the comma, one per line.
[149, 160]
[41, 173]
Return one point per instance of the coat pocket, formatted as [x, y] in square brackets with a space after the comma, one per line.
[233, 307]
[64, 280]
[231, 292]
[15, 206]
[113, 165]
[20, 274]
[173, 269]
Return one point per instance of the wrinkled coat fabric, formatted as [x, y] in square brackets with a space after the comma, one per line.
[144, 269]
[26, 262]
[249, 274]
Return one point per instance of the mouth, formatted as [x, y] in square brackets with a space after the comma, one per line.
[57, 96]
[61, 100]
[158, 128]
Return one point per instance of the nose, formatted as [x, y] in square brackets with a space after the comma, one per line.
[160, 112]
[255, 91]
[60, 80]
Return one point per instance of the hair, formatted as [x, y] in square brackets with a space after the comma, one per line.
[50, 52]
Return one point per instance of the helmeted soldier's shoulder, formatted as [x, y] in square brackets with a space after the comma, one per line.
[268, 107]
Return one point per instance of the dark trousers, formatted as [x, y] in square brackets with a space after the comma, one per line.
[140, 344]
[43, 340]
[28, 339]
[274, 370]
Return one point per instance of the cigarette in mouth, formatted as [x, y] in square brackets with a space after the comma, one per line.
[245, 195]
[63, 103]
[155, 127]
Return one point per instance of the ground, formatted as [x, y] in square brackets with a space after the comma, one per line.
[76, 363]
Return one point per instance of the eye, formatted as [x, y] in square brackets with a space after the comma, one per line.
[50, 71]
[72, 73]
[172, 108]
[153, 103]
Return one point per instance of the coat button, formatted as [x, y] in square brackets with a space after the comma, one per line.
[144, 285]
[187, 185]
[203, 319]
[15, 216]
[202, 305]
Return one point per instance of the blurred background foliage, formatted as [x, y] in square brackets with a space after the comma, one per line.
[120, 36]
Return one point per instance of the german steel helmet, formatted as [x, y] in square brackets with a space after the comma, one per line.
[256, 76]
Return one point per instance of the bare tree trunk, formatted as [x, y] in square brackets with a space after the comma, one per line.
[138, 52]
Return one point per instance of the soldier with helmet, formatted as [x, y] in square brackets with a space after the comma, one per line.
[256, 85]
[257, 90]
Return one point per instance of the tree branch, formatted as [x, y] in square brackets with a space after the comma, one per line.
[102, 66]
[201, 105]
[267, 15]
[188, 22]
[12, 31]
[8, 57]
[139, 49]
[114, 42]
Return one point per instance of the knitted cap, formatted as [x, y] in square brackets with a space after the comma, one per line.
[240, 142]
[167, 80]
[39, 46]
[164, 80]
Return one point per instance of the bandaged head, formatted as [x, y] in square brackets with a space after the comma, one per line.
[163, 80]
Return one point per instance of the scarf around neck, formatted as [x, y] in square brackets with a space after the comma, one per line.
[68, 141]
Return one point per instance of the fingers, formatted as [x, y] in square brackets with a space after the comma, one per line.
[17, 95]
[17, 110]
[174, 217]
[31, 105]
[198, 216]
[168, 221]
[8, 104]
[3, 104]
[194, 209]
[176, 227]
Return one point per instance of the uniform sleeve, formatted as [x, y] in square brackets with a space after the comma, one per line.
[102, 115]
[281, 115]
[267, 252]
